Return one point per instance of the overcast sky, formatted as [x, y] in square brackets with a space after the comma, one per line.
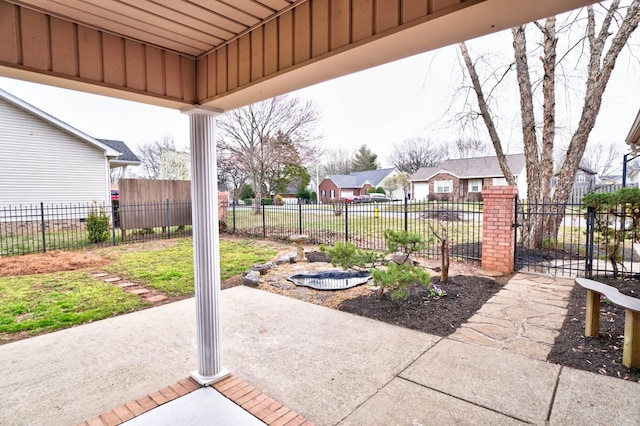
[377, 107]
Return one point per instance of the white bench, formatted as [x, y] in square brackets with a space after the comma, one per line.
[631, 346]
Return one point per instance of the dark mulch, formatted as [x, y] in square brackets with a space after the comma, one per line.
[465, 295]
[602, 355]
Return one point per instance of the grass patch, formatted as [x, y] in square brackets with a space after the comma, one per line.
[46, 302]
[170, 269]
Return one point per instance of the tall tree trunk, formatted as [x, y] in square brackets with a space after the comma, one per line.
[540, 165]
[548, 107]
[486, 116]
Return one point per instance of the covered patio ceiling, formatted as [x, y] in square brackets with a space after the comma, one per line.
[229, 53]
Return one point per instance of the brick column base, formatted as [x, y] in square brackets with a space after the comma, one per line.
[498, 237]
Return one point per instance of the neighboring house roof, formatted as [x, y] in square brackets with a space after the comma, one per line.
[633, 138]
[126, 157]
[611, 179]
[582, 167]
[359, 179]
[472, 168]
[108, 151]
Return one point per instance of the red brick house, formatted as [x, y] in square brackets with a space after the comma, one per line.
[462, 179]
[336, 187]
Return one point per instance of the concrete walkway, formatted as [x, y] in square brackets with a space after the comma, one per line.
[329, 366]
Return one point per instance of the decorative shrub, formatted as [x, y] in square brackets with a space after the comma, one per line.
[97, 224]
[380, 190]
[248, 201]
[392, 277]
[267, 201]
[278, 200]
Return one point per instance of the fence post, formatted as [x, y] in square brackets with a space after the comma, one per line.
[113, 223]
[233, 210]
[406, 214]
[168, 220]
[264, 222]
[515, 231]
[44, 236]
[299, 217]
[588, 257]
[346, 221]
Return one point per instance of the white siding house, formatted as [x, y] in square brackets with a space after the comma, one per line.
[43, 159]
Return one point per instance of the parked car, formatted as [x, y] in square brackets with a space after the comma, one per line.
[115, 195]
[375, 198]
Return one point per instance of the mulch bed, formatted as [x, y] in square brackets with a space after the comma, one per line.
[602, 355]
[465, 295]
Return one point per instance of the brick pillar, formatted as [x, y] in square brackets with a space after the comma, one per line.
[223, 198]
[497, 228]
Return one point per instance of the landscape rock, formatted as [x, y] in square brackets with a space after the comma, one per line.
[318, 256]
[263, 268]
[252, 278]
[401, 258]
[283, 286]
[283, 260]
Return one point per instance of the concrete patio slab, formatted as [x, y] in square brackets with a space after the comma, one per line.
[405, 403]
[201, 407]
[500, 381]
[329, 362]
[585, 398]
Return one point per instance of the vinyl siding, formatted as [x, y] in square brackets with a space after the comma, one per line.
[40, 162]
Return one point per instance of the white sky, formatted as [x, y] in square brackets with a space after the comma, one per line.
[377, 107]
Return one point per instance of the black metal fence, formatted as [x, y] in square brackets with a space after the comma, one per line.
[364, 224]
[38, 228]
[575, 241]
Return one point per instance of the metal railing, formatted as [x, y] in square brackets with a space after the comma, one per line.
[364, 224]
[38, 228]
[575, 241]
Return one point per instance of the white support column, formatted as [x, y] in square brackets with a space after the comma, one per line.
[206, 245]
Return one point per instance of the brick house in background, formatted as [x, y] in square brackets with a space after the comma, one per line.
[462, 179]
[336, 187]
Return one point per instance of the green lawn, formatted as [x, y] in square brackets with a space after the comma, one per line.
[170, 269]
[47, 302]
[40, 303]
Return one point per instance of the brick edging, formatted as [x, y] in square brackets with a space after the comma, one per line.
[246, 396]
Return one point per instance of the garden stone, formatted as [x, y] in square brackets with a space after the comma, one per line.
[400, 257]
[318, 256]
[251, 279]
[263, 268]
[283, 286]
[283, 260]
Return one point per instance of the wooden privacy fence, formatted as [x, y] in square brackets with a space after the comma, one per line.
[147, 203]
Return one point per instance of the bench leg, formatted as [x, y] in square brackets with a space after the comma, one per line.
[592, 325]
[631, 347]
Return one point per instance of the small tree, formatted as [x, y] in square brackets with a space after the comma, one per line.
[441, 232]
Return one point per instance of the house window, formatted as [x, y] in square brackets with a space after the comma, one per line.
[582, 178]
[499, 181]
[475, 185]
[324, 193]
[442, 186]
[332, 194]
